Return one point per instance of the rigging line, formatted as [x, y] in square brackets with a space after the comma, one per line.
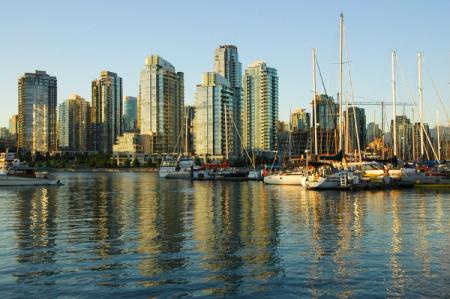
[353, 98]
[437, 93]
[321, 78]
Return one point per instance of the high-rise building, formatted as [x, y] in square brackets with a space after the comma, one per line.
[12, 125]
[356, 134]
[160, 105]
[106, 111]
[213, 129]
[416, 144]
[300, 132]
[37, 112]
[404, 137]
[260, 107]
[226, 63]
[300, 120]
[327, 124]
[129, 114]
[373, 132]
[190, 115]
[74, 125]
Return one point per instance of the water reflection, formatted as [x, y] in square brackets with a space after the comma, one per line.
[111, 234]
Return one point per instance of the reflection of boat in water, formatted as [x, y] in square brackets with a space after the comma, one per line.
[14, 173]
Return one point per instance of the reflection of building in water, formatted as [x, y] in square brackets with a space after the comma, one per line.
[423, 250]
[161, 227]
[397, 275]
[36, 230]
[235, 227]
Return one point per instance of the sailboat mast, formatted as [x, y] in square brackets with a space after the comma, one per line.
[341, 37]
[419, 62]
[314, 102]
[413, 136]
[186, 134]
[438, 136]
[394, 108]
[226, 133]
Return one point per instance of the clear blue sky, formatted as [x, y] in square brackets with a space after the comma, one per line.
[75, 40]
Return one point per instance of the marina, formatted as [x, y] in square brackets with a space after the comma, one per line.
[137, 235]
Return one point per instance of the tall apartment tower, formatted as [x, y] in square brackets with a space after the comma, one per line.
[37, 112]
[106, 111]
[359, 132]
[129, 113]
[13, 125]
[226, 63]
[74, 125]
[213, 129]
[260, 107]
[160, 105]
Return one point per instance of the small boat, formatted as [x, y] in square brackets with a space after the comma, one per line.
[167, 166]
[183, 169]
[15, 173]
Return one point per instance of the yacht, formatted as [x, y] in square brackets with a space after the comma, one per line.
[183, 169]
[15, 173]
[285, 178]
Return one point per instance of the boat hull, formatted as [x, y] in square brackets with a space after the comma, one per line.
[281, 179]
[18, 181]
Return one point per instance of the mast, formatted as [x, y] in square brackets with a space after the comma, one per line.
[226, 133]
[394, 110]
[382, 129]
[413, 136]
[341, 37]
[290, 134]
[314, 102]
[438, 137]
[419, 62]
[186, 134]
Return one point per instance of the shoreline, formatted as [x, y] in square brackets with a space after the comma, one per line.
[137, 169]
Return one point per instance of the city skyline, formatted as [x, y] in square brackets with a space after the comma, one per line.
[385, 29]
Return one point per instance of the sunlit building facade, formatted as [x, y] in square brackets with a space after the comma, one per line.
[260, 107]
[74, 125]
[213, 131]
[37, 112]
[226, 63]
[160, 105]
[106, 111]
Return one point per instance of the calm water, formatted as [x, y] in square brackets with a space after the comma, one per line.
[134, 235]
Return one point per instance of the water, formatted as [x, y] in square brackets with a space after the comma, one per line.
[134, 235]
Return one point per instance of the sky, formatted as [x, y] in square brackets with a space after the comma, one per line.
[75, 40]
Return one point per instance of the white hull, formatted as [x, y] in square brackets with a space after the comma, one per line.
[164, 171]
[22, 181]
[284, 179]
[323, 183]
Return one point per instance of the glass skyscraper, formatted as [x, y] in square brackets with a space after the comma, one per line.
[226, 63]
[160, 105]
[106, 111]
[260, 107]
[213, 115]
[74, 125]
[129, 113]
[37, 112]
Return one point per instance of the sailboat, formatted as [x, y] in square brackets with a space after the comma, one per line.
[325, 176]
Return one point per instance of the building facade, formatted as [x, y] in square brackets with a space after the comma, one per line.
[356, 128]
[404, 137]
[213, 131]
[160, 105]
[300, 120]
[373, 132]
[260, 108]
[327, 124]
[129, 114]
[300, 132]
[74, 125]
[106, 111]
[37, 112]
[226, 63]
